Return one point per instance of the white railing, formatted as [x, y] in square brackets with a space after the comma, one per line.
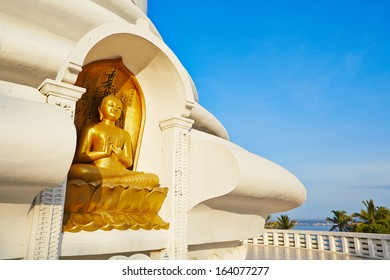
[366, 245]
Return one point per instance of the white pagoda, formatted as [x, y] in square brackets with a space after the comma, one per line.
[57, 58]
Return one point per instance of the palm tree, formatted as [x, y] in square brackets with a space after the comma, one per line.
[341, 221]
[373, 214]
[284, 222]
[269, 224]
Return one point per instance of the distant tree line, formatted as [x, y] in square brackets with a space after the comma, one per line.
[371, 219]
[282, 222]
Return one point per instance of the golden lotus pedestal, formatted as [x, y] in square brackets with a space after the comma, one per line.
[90, 207]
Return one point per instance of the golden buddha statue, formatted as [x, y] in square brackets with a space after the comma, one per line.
[102, 193]
[104, 152]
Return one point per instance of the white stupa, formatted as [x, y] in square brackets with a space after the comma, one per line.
[219, 193]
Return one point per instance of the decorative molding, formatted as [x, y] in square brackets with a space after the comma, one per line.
[176, 122]
[45, 241]
[177, 129]
[181, 194]
[61, 94]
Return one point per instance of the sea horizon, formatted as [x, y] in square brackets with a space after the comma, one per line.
[313, 227]
[312, 224]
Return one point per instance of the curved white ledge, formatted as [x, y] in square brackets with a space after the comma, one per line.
[30, 57]
[37, 137]
[128, 10]
[69, 19]
[241, 182]
[206, 122]
[37, 36]
[206, 225]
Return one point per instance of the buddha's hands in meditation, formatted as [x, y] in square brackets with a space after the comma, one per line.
[118, 152]
[107, 149]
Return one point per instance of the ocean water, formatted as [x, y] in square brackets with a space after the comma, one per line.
[313, 227]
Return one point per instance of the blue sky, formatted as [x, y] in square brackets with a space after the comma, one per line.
[305, 84]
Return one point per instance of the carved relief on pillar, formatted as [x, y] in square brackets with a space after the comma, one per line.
[176, 132]
[181, 194]
[46, 243]
[104, 190]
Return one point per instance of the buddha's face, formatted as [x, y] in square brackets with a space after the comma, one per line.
[111, 108]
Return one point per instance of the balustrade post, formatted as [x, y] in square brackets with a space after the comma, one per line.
[308, 241]
[358, 247]
[320, 242]
[297, 240]
[275, 238]
[344, 244]
[285, 239]
[265, 238]
[371, 248]
[385, 249]
[332, 244]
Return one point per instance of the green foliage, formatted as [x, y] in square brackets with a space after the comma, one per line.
[269, 224]
[341, 221]
[284, 222]
[373, 228]
[371, 219]
[372, 214]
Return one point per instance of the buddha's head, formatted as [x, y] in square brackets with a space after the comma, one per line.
[111, 108]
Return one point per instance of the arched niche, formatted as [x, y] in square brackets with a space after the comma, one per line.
[95, 204]
[151, 85]
[163, 78]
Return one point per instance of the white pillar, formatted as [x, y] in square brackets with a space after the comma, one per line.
[385, 249]
[286, 239]
[308, 241]
[46, 234]
[358, 250]
[265, 238]
[275, 238]
[332, 244]
[320, 241]
[371, 248]
[297, 240]
[344, 242]
[175, 132]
